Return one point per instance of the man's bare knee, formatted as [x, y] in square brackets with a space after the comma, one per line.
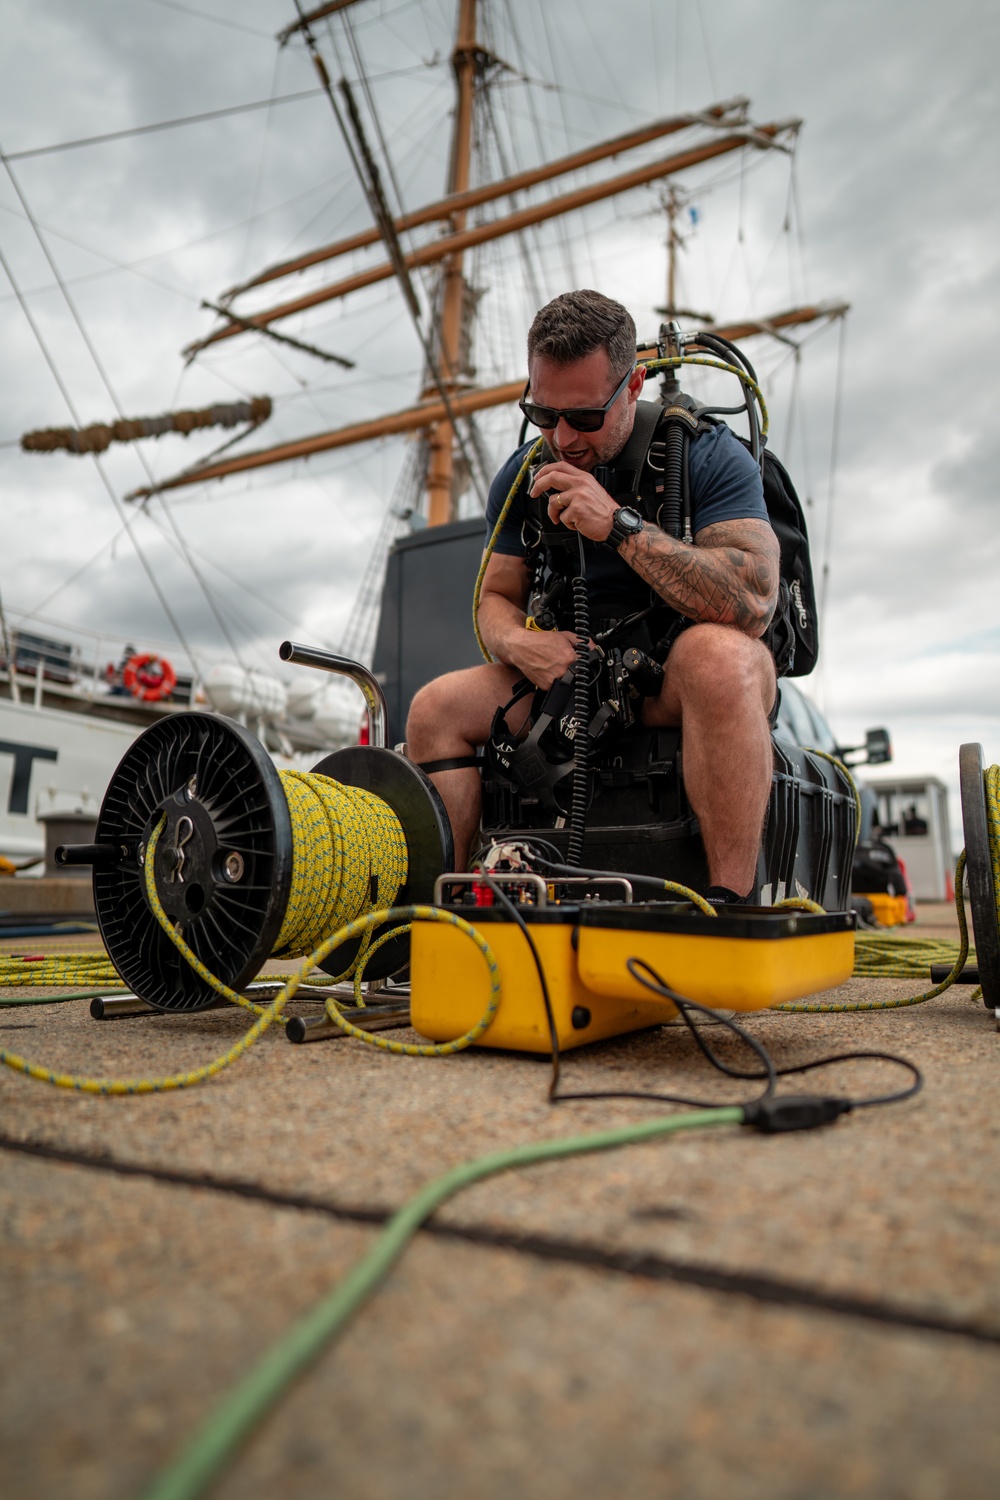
[716, 664]
[455, 711]
[432, 704]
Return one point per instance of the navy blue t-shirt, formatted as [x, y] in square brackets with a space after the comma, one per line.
[725, 486]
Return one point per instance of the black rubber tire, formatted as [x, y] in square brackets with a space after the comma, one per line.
[237, 805]
[979, 868]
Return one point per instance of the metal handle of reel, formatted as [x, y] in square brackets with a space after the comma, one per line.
[328, 661]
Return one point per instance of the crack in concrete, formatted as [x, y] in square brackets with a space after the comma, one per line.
[759, 1287]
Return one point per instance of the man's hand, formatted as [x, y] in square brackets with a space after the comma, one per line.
[542, 655]
[581, 504]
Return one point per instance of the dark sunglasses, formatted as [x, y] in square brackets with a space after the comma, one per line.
[580, 418]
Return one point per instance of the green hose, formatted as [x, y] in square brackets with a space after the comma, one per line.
[191, 1474]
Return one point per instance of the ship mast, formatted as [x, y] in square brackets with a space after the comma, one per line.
[453, 293]
[448, 391]
[674, 203]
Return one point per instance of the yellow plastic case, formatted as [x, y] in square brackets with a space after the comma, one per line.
[748, 959]
[889, 910]
[449, 987]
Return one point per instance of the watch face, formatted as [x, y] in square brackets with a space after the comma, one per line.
[629, 519]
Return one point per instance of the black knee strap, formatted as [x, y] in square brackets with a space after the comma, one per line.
[451, 763]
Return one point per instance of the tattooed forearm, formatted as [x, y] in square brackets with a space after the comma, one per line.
[729, 576]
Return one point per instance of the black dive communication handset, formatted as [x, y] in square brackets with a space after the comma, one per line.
[554, 544]
[616, 680]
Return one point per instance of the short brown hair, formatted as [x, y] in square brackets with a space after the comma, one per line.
[574, 324]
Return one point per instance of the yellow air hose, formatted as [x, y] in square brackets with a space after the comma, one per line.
[529, 459]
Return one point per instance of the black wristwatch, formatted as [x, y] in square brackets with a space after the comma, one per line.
[625, 522]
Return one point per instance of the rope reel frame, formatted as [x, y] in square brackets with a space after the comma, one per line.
[979, 867]
[158, 774]
[430, 846]
[234, 923]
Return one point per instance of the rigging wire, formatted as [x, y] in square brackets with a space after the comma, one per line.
[834, 445]
[255, 195]
[787, 226]
[492, 129]
[132, 265]
[677, 54]
[423, 272]
[133, 130]
[112, 493]
[112, 266]
[54, 147]
[708, 51]
[793, 413]
[365, 82]
[782, 233]
[392, 245]
[560, 227]
[240, 583]
[203, 15]
[107, 546]
[797, 214]
[109, 387]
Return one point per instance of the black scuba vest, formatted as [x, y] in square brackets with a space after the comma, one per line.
[638, 477]
[635, 478]
[651, 474]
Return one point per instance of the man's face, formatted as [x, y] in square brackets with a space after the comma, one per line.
[585, 382]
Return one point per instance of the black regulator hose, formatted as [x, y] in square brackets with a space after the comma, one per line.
[581, 713]
[670, 510]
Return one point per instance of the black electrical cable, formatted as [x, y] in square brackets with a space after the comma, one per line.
[729, 352]
[580, 794]
[660, 987]
[685, 1006]
[509, 907]
[725, 348]
[555, 1097]
[554, 866]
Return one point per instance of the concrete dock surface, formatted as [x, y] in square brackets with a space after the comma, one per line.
[812, 1316]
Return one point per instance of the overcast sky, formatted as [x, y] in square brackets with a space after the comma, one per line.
[891, 205]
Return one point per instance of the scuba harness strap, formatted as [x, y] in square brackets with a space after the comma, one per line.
[450, 763]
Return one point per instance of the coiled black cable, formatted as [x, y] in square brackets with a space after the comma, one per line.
[669, 515]
[580, 795]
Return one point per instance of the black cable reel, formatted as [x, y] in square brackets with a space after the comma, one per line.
[224, 857]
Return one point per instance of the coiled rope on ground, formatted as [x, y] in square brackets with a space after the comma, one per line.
[877, 955]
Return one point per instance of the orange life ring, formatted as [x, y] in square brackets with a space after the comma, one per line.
[149, 677]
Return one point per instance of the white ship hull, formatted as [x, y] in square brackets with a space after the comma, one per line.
[52, 761]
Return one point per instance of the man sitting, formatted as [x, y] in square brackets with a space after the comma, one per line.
[719, 682]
